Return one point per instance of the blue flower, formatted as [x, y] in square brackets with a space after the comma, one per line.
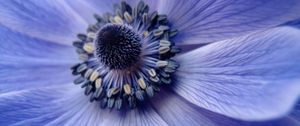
[164, 62]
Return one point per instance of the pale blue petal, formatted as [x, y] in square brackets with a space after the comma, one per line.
[107, 5]
[39, 105]
[176, 111]
[30, 63]
[66, 105]
[286, 121]
[254, 77]
[206, 21]
[153, 4]
[69, 106]
[50, 20]
[86, 9]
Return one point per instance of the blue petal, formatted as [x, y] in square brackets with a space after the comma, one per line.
[279, 122]
[254, 77]
[47, 19]
[206, 21]
[176, 111]
[296, 112]
[30, 63]
[69, 106]
[18, 107]
[107, 5]
[294, 23]
[151, 3]
[87, 9]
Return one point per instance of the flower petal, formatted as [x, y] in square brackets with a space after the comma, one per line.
[206, 21]
[87, 9]
[29, 63]
[286, 121]
[296, 112]
[294, 23]
[65, 105]
[176, 111]
[151, 3]
[253, 77]
[31, 104]
[73, 108]
[50, 20]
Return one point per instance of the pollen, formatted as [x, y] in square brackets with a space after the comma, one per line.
[94, 76]
[142, 83]
[89, 47]
[127, 89]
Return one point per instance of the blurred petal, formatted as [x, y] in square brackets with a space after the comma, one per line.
[253, 77]
[73, 108]
[88, 8]
[20, 106]
[50, 20]
[205, 21]
[30, 63]
[153, 4]
[107, 5]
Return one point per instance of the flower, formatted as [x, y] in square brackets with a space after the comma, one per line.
[238, 63]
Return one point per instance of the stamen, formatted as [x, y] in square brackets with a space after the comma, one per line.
[127, 89]
[161, 64]
[98, 83]
[94, 76]
[127, 17]
[88, 73]
[126, 56]
[163, 49]
[118, 103]
[165, 43]
[142, 83]
[118, 20]
[150, 91]
[139, 95]
[158, 32]
[89, 47]
[152, 72]
[112, 92]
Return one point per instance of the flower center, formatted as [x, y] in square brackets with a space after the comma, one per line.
[117, 46]
[126, 56]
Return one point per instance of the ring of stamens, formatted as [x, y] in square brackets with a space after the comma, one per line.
[131, 61]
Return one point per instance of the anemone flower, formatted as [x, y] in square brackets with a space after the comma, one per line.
[164, 62]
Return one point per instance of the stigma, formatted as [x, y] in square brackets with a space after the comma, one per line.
[117, 46]
[126, 57]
